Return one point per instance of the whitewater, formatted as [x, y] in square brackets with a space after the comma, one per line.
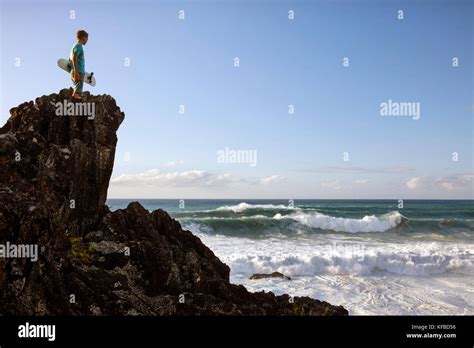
[369, 256]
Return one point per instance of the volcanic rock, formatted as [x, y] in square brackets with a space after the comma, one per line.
[269, 275]
[93, 261]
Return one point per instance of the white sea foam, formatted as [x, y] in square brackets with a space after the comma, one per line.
[365, 276]
[238, 208]
[423, 263]
[370, 223]
[445, 294]
[306, 257]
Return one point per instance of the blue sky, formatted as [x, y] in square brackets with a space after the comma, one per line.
[164, 154]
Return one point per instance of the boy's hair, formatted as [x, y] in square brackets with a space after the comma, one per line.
[82, 34]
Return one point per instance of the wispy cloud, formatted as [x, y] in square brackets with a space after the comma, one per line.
[454, 182]
[349, 168]
[195, 178]
[271, 179]
[156, 177]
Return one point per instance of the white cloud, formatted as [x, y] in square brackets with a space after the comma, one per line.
[157, 178]
[195, 178]
[457, 182]
[271, 179]
[413, 183]
[350, 168]
[454, 182]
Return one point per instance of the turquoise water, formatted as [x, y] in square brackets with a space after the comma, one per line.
[371, 256]
[256, 218]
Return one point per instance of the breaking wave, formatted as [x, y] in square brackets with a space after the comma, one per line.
[368, 223]
[297, 259]
[241, 207]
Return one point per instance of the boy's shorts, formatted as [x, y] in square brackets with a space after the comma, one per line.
[78, 85]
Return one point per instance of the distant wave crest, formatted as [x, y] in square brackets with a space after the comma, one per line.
[368, 223]
[308, 218]
[241, 207]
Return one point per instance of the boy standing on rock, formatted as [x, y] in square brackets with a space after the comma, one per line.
[77, 63]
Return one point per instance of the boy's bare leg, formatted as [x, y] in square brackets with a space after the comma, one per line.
[78, 85]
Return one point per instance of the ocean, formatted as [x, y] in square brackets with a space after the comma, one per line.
[370, 256]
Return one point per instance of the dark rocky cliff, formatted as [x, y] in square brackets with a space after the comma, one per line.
[54, 177]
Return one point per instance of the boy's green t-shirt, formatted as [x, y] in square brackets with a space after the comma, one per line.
[79, 52]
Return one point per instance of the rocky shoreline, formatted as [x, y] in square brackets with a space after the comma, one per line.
[92, 261]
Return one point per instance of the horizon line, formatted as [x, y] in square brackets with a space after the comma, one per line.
[312, 199]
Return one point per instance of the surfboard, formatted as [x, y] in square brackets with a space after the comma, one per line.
[88, 77]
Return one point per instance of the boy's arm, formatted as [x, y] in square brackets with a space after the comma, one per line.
[75, 65]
